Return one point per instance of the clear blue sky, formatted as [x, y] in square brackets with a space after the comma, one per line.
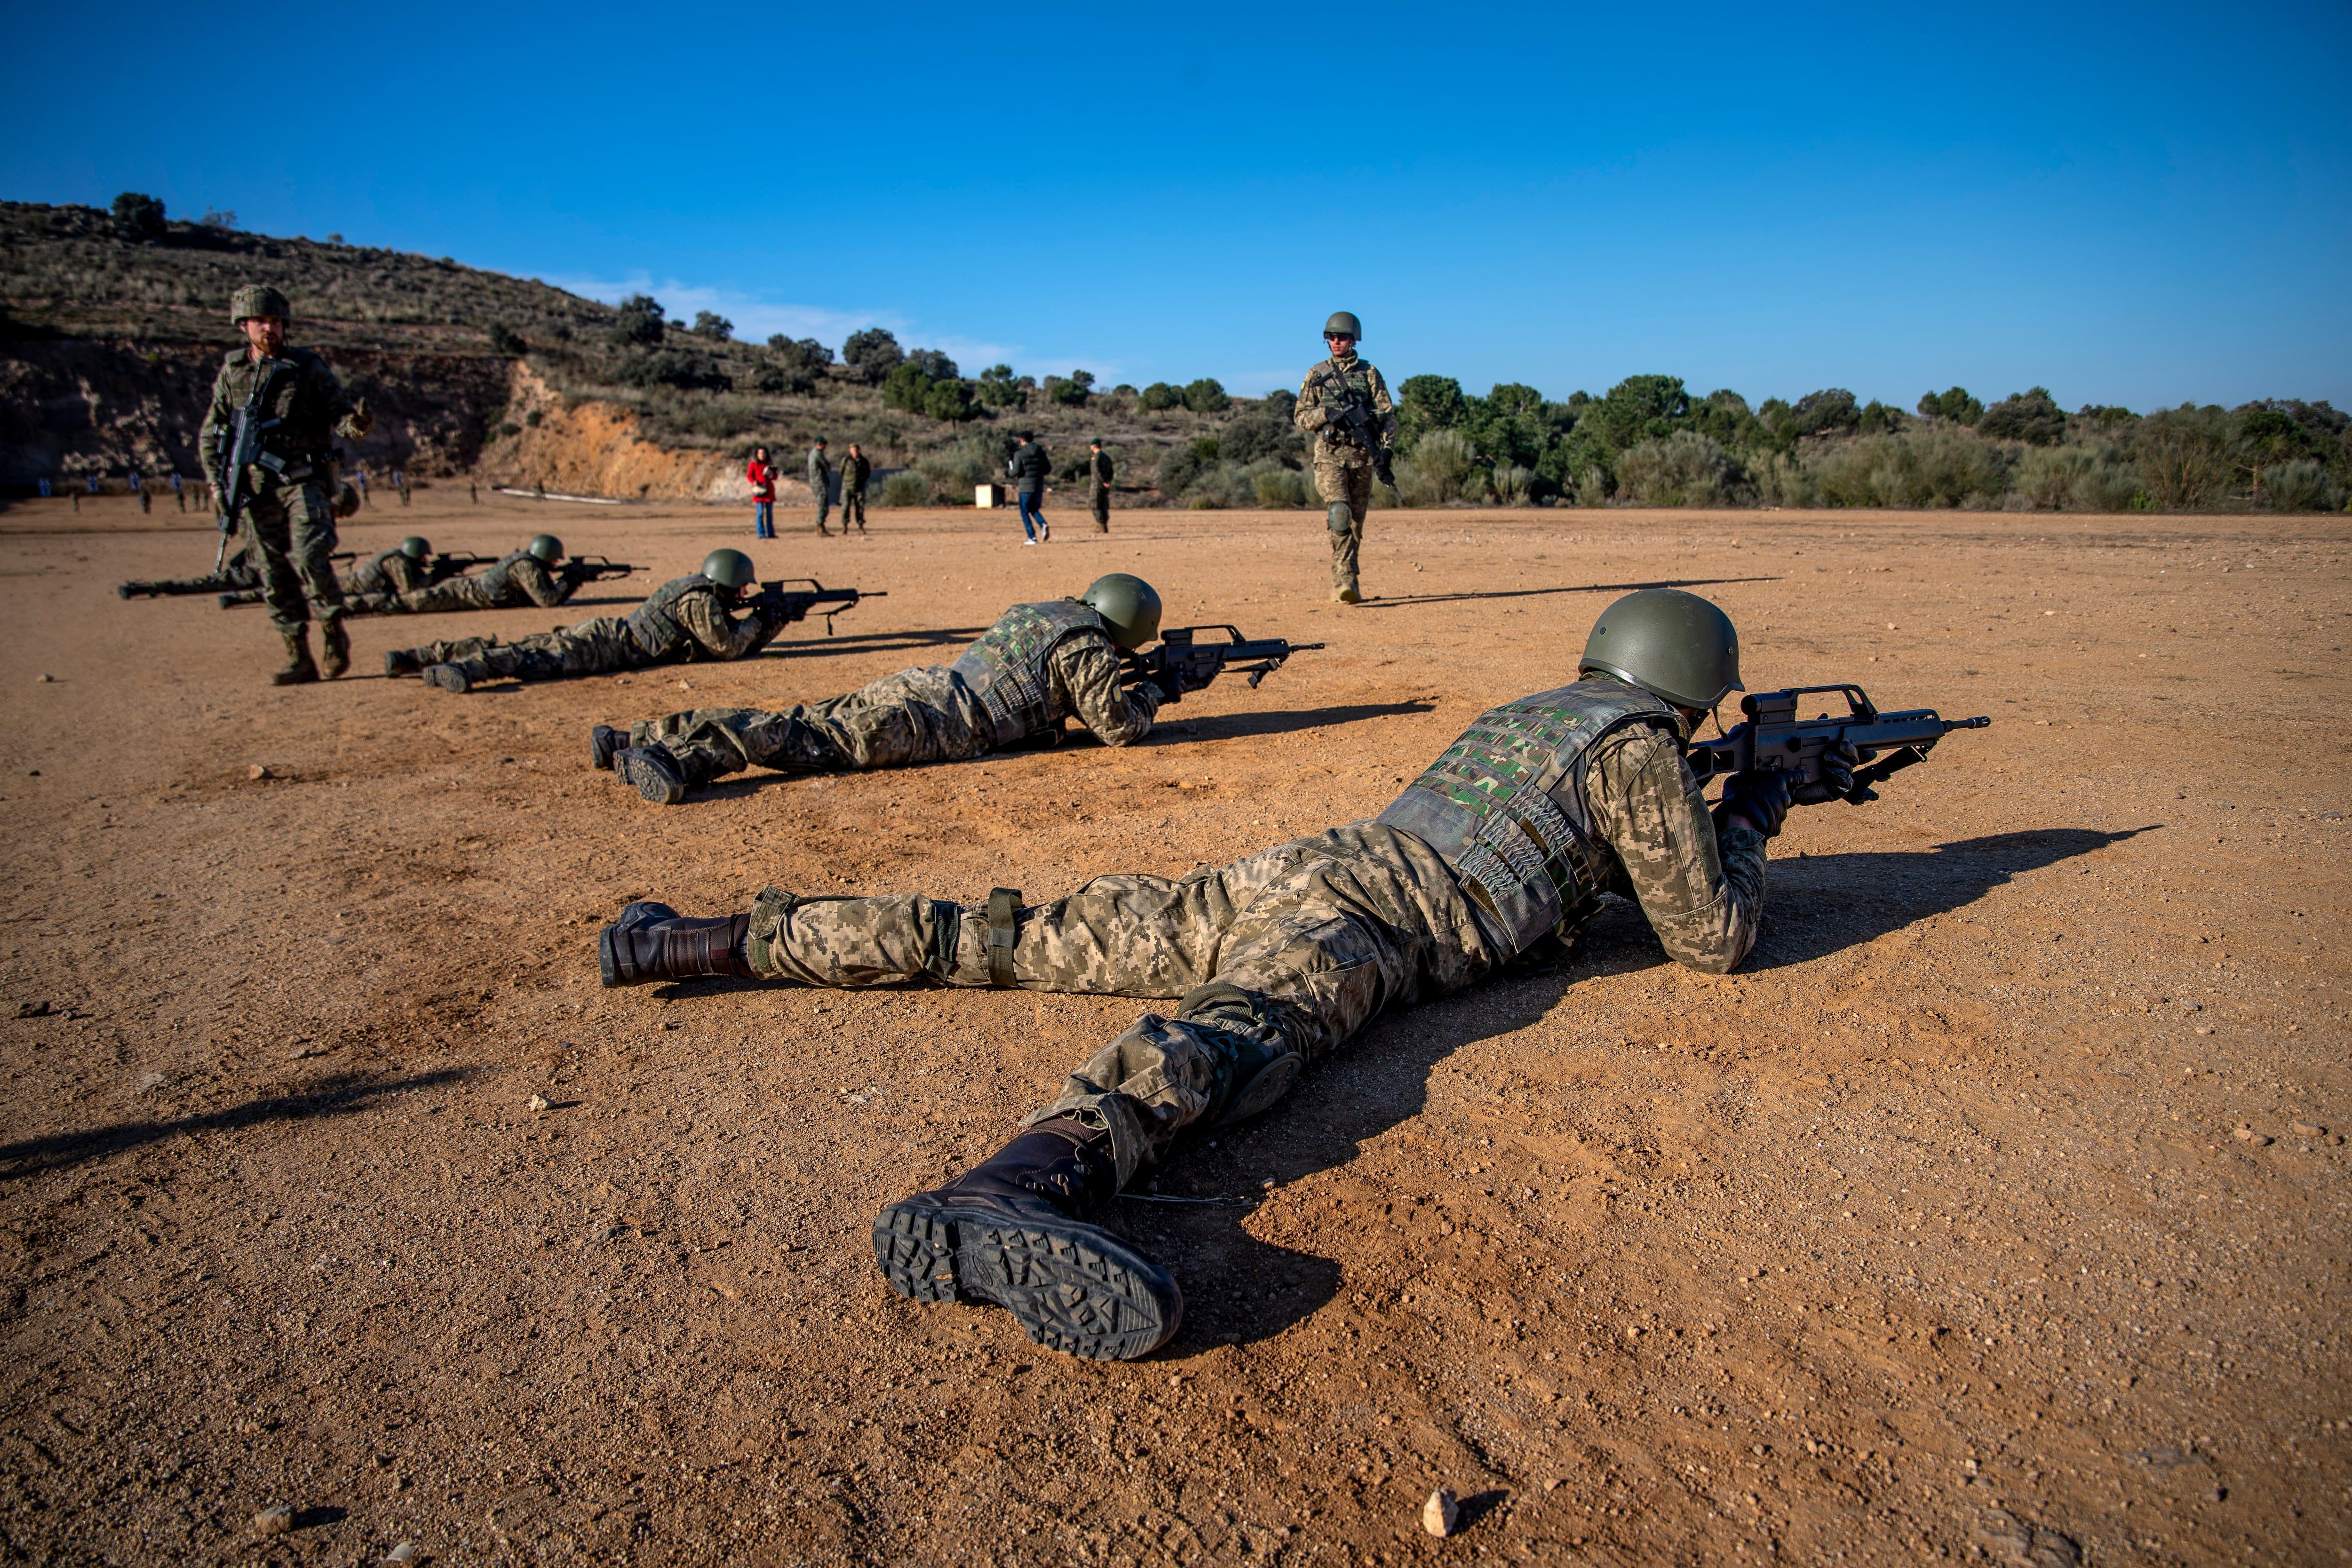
[2129, 203]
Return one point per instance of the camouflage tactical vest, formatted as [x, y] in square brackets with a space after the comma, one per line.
[371, 577]
[655, 627]
[1505, 804]
[1343, 385]
[1006, 667]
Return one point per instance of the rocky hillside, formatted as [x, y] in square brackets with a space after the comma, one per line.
[110, 331]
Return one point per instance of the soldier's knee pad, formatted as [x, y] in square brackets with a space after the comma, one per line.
[1255, 1064]
[1341, 517]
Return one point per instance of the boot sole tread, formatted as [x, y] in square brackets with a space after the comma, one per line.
[648, 781]
[1072, 1286]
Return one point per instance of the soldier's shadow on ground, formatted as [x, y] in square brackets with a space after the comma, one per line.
[342, 1095]
[817, 641]
[1385, 602]
[1239, 1289]
[1278, 722]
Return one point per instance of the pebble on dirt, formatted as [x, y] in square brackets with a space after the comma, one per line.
[275, 1519]
[259, 771]
[1440, 1513]
[538, 1102]
[403, 1553]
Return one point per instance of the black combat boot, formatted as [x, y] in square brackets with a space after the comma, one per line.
[459, 678]
[1016, 1230]
[654, 772]
[402, 661]
[334, 647]
[603, 741]
[652, 943]
[299, 670]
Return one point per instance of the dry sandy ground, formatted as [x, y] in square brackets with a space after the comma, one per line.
[1994, 1210]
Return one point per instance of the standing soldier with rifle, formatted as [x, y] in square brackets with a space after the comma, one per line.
[268, 443]
[1345, 405]
[1038, 665]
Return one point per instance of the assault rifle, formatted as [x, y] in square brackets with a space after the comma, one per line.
[1177, 664]
[1774, 740]
[595, 568]
[1355, 420]
[240, 448]
[447, 565]
[785, 606]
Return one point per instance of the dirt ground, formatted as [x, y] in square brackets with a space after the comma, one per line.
[1994, 1210]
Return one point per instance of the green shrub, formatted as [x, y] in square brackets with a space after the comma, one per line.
[1071, 391]
[933, 363]
[1441, 467]
[639, 323]
[997, 388]
[1916, 469]
[782, 379]
[2108, 486]
[2301, 485]
[2046, 479]
[950, 401]
[1684, 469]
[1878, 418]
[1780, 479]
[1180, 466]
[142, 215]
[505, 340]
[1160, 395]
[906, 387]
[2033, 418]
[1513, 485]
[873, 354]
[1261, 433]
[905, 487]
[1953, 404]
[2183, 456]
[680, 368]
[714, 326]
[1283, 487]
[1829, 412]
[1426, 403]
[1206, 396]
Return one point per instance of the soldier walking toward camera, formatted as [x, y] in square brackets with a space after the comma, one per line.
[854, 471]
[534, 575]
[298, 407]
[820, 484]
[1345, 405]
[1037, 666]
[1099, 476]
[686, 618]
[1502, 845]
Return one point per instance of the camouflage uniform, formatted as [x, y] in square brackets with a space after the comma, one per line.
[1343, 469]
[509, 583]
[856, 469]
[389, 572]
[1098, 477]
[680, 621]
[1039, 664]
[1278, 958]
[820, 484]
[289, 520]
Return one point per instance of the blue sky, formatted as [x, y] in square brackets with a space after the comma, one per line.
[2135, 205]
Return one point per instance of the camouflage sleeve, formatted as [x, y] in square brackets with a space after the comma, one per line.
[723, 635]
[406, 575]
[543, 587]
[1309, 414]
[208, 438]
[1086, 667]
[1384, 406]
[1704, 897]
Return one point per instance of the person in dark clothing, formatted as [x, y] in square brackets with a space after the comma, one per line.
[1098, 477]
[1028, 467]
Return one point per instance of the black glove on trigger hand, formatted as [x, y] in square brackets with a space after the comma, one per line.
[1761, 797]
[1836, 781]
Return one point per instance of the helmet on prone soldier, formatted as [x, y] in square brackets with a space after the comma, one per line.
[546, 548]
[730, 569]
[1671, 644]
[416, 548]
[1128, 603]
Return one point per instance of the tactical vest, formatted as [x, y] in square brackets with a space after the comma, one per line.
[370, 576]
[494, 581]
[655, 626]
[1006, 667]
[1505, 804]
[1352, 384]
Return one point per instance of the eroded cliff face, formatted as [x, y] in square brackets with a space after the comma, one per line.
[77, 407]
[587, 449]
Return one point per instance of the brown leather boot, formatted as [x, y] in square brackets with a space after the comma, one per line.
[652, 943]
[334, 647]
[299, 670]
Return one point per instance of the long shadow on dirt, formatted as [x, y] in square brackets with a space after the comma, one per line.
[339, 1096]
[1386, 603]
[1239, 1289]
[943, 637]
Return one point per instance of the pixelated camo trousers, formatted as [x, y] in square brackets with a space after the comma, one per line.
[290, 539]
[1350, 482]
[593, 648]
[1275, 959]
[900, 721]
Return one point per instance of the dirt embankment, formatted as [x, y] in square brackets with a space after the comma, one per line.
[77, 407]
[594, 448]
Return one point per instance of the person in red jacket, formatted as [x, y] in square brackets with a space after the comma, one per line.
[762, 475]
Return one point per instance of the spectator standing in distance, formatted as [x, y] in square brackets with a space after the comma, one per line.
[1028, 467]
[360, 474]
[1099, 476]
[146, 502]
[474, 490]
[177, 494]
[854, 471]
[820, 483]
[400, 483]
[45, 488]
[762, 475]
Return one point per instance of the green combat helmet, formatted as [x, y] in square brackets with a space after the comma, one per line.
[1344, 321]
[1671, 644]
[1129, 604]
[730, 569]
[257, 300]
[415, 549]
[546, 548]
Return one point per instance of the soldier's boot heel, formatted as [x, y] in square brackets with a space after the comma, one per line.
[456, 677]
[1016, 1230]
[604, 743]
[402, 661]
[652, 773]
[652, 943]
[299, 670]
[334, 647]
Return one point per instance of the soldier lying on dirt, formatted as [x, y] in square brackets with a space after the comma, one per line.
[1037, 666]
[1507, 839]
